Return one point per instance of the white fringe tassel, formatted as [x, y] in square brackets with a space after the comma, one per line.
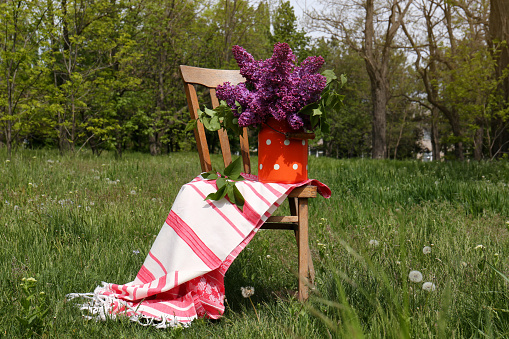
[99, 307]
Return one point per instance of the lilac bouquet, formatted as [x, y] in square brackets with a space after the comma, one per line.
[275, 87]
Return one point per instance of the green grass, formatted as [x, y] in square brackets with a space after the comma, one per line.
[73, 222]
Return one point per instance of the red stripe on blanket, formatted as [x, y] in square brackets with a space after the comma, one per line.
[214, 207]
[261, 197]
[158, 262]
[193, 241]
[250, 214]
[273, 190]
[160, 284]
[144, 275]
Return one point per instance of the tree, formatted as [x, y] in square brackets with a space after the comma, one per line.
[369, 27]
[284, 26]
[20, 39]
[498, 41]
[457, 69]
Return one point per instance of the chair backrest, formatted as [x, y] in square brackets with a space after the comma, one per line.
[211, 78]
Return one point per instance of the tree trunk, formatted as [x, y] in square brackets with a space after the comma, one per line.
[478, 141]
[435, 138]
[498, 32]
[8, 142]
[155, 144]
[379, 135]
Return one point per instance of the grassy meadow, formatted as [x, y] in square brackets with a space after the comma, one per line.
[72, 222]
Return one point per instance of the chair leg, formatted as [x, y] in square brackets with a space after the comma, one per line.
[303, 248]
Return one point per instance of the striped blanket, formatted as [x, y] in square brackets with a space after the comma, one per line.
[182, 277]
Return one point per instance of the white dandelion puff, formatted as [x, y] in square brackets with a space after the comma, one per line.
[247, 291]
[426, 250]
[374, 243]
[415, 276]
[133, 192]
[428, 286]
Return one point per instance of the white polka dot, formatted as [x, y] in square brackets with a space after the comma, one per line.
[276, 167]
[268, 142]
[261, 166]
[303, 142]
[287, 142]
[295, 166]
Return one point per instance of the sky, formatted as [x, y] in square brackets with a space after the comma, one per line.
[299, 6]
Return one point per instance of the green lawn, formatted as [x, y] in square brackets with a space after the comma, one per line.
[73, 222]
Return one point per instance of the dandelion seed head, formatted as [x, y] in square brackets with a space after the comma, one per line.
[415, 276]
[133, 192]
[247, 291]
[426, 250]
[374, 243]
[428, 286]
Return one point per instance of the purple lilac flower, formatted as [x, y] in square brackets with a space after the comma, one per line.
[279, 88]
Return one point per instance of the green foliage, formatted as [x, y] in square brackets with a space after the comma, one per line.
[67, 220]
[330, 100]
[34, 308]
[225, 183]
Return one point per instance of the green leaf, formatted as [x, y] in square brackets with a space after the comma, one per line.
[209, 175]
[238, 197]
[325, 127]
[211, 113]
[500, 273]
[220, 182]
[234, 169]
[214, 123]
[229, 192]
[343, 79]
[218, 195]
[317, 112]
[329, 75]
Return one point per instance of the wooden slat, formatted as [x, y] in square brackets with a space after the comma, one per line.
[280, 218]
[210, 78]
[304, 192]
[199, 131]
[223, 135]
[244, 150]
[303, 248]
[278, 226]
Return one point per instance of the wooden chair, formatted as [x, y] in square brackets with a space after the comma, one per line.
[298, 198]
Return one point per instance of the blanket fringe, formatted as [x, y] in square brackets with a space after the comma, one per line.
[99, 308]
